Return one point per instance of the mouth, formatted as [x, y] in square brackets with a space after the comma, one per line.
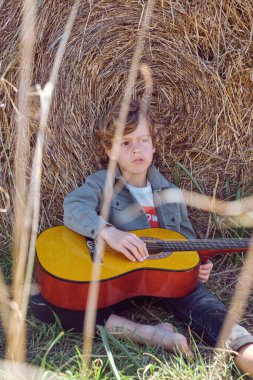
[138, 161]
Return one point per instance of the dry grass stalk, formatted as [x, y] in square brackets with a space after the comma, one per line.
[16, 331]
[239, 301]
[22, 279]
[92, 301]
[21, 371]
[238, 213]
[33, 202]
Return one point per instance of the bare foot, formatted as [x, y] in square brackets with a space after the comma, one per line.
[161, 335]
[168, 326]
[165, 336]
[245, 359]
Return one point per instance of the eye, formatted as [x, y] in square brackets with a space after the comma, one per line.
[124, 143]
[144, 140]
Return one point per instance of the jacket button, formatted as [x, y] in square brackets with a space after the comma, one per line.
[173, 219]
[92, 232]
[117, 203]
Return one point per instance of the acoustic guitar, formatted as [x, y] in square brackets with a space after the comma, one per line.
[65, 260]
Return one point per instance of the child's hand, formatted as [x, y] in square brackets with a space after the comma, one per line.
[129, 244]
[205, 270]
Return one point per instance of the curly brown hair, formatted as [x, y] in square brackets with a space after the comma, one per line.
[137, 108]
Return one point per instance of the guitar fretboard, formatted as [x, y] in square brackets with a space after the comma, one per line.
[203, 244]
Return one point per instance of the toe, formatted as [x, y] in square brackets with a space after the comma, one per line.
[166, 325]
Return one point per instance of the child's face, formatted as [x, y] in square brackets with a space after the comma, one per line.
[135, 154]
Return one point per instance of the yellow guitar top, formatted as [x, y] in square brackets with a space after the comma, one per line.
[65, 254]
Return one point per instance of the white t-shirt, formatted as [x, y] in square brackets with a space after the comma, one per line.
[144, 196]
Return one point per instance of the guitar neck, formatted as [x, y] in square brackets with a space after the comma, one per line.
[208, 248]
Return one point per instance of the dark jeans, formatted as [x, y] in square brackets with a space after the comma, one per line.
[201, 310]
[205, 314]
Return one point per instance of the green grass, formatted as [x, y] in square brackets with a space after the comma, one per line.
[5, 255]
[50, 348]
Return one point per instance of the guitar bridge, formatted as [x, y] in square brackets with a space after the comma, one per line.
[92, 247]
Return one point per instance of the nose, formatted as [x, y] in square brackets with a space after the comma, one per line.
[136, 147]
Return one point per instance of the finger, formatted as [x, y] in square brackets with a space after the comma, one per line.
[209, 263]
[143, 250]
[202, 278]
[128, 254]
[203, 275]
[206, 267]
[140, 245]
[134, 250]
[203, 271]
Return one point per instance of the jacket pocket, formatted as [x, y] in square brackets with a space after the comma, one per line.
[172, 218]
[119, 204]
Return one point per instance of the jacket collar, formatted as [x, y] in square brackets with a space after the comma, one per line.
[157, 180]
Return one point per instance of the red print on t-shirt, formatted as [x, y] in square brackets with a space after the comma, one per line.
[152, 216]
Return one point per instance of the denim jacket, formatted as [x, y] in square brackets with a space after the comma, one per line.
[82, 207]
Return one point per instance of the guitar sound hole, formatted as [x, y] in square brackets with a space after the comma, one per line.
[154, 250]
[154, 246]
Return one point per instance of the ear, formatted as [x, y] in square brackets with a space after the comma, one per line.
[153, 149]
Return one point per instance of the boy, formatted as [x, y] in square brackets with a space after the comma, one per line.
[138, 186]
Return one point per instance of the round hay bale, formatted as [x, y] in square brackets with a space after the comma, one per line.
[200, 55]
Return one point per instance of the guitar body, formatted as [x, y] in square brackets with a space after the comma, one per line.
[64, 270]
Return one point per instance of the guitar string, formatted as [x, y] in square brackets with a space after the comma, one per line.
[156, 251]
[200, 245]
[212, 244]
[153, 247]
